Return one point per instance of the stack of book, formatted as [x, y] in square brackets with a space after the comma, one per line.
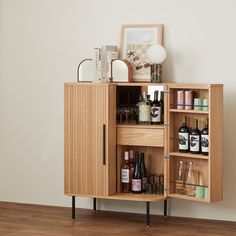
[102, 62]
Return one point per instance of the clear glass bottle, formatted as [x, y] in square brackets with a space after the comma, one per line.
[144, 110]
[190, 183]
[156, 110]
[179, 186]
[125, 174]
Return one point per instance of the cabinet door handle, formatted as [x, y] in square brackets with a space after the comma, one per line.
[104, 144]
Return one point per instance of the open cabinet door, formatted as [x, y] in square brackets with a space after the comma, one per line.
[90, 139]
[205, 184]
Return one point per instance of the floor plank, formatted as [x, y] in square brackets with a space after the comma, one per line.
[25, 219]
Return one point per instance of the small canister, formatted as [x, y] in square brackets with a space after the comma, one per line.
[205, 104]
[198, 104]
[188, 100]
[180, 99]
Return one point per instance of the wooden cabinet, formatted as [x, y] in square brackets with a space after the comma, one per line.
[90, 139]
[95, 144]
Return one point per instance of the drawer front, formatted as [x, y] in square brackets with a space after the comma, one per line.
[140, 136]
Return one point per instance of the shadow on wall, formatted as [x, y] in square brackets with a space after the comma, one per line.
[229, 153]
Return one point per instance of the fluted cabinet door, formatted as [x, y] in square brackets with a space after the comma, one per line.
[90, 139]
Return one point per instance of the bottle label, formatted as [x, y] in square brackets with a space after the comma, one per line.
[125, 176]
[190, 190]
[183, 141]
[179, 186]
[194, 143]
[144, 183]
[144, 113]
[156, 114]
[136, 185]
[204, 142]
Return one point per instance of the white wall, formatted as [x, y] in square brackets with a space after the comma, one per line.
[41, 44]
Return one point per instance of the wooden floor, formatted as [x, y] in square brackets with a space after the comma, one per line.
[23, 219]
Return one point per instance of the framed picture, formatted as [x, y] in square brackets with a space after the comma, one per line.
[135, 40]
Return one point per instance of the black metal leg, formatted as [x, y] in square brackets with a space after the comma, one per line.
[94, 204]
[148, 214]
[73, 207]
[165, 207]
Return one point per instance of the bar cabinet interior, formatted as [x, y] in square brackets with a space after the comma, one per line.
[95, 142]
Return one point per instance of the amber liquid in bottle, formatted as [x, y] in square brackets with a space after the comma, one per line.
[180, 179]
[190, 184]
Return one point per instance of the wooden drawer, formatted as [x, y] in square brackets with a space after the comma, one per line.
[140, 136]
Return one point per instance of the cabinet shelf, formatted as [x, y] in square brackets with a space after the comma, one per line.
[174, 182]
[142, 197]
[138, 197]
[190, 155]
[189, 111]
[186, 197]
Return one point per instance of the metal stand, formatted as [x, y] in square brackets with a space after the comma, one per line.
[94, 204]
[73, 207]
[148, 214]
[165, 207]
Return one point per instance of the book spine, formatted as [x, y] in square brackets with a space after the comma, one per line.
[109, 53]
[97, 64]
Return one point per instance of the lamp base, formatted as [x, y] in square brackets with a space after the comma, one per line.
[156, 73]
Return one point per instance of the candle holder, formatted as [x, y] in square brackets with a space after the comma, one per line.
[156, 73]
[156, 55]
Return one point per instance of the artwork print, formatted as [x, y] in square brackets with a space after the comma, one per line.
[135, 41]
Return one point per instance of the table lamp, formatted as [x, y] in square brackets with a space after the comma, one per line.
[156, 54]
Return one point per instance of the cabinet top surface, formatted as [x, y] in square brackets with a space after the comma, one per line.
[170, 85]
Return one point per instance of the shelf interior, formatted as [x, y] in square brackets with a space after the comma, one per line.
[200, 172]
[154, 160]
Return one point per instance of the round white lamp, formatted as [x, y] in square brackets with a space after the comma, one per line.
[156, 55]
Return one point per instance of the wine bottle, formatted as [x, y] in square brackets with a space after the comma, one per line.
[190, 184]
[162, 106]
[131, 161]
[180, 179]
[137, 108]
[155, 110]
[144, 110]
[184, 136]
[137, 178]
[143, 172]
[205, 139]
[125, 174]
[195, 138]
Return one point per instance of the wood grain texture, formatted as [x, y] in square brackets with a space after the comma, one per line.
[216, 144]
[86, 111]
[140, 136]
[27, 220]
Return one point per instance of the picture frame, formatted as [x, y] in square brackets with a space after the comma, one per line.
[135, 40]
